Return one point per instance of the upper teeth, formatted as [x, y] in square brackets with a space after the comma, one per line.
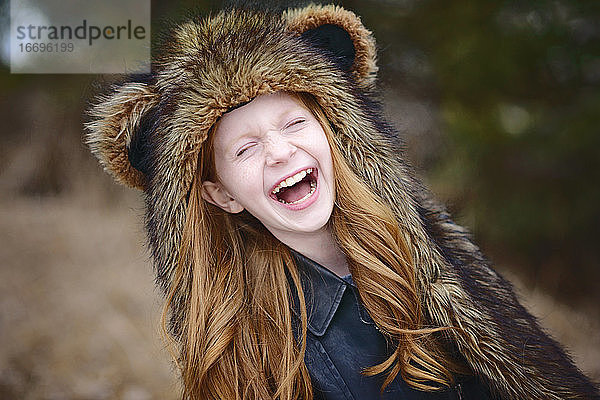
[292, 180]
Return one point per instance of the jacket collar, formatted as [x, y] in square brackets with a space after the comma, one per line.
[323, 291]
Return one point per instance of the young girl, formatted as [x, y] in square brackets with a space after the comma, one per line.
[299, 256]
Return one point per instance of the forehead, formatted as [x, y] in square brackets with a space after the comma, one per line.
[262, 112]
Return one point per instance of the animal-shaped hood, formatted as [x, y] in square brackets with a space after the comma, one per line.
[147, 132]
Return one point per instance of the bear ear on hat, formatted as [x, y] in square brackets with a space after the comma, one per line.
[342, 34]
[117, 131]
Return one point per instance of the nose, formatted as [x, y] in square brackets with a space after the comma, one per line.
[278, 149]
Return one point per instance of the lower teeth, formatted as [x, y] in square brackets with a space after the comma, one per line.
[313, 186]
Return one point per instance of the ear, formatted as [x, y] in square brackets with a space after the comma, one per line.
[117, 131]
[216, 194]
[342, 34]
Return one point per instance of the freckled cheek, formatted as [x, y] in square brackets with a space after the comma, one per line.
[328, 173]
[244, 182]
[313, 142]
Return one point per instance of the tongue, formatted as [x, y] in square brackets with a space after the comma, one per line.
[296, 192]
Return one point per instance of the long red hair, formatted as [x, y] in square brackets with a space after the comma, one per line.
[231, 297]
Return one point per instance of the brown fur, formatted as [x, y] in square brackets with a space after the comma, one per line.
[213, 64]
[365, 65]
[114, 123]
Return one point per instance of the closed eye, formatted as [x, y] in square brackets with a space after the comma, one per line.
[243, 149]
[296, 122]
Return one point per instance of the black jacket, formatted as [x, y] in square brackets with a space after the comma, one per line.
[342, 340]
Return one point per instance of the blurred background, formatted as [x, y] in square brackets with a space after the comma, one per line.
[499, 104]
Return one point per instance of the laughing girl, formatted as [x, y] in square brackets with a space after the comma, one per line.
[299, 255]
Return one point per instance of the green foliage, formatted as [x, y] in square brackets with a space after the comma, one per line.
[516, 85]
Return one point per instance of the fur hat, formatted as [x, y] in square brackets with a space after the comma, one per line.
[147, 132]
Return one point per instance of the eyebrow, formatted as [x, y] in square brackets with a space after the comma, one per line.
[232, 143]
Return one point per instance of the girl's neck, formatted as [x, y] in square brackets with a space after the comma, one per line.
[322, 248]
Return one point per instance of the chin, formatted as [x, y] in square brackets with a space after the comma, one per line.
[318, 222]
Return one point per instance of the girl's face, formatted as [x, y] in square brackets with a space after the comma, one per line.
[273, 159]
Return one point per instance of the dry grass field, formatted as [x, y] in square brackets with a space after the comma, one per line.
[80, 314]
[79, 311]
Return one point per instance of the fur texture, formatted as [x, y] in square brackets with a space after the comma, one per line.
[147, 132]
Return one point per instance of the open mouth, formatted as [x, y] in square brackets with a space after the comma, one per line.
[296, 188]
